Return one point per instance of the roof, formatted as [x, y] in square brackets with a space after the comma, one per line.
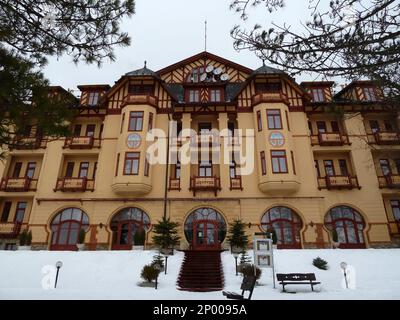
[232, 89]
[177, 91]
[354, 84]
[94, 86]
[142, 72]
[317, 83]
[266, 70]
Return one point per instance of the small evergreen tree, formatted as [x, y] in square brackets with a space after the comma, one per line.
[158, 261]
[237, 236]
[320, 263]
[166, 234]
[149, 273]
[23, 237]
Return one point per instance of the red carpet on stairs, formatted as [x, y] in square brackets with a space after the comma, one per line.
[201, 271]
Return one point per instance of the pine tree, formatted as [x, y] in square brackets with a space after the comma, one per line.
[237, 236]
[166, 234]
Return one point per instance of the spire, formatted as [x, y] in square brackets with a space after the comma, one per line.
[205, 35]
[145, 64]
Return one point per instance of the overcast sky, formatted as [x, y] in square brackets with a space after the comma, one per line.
[164, 32]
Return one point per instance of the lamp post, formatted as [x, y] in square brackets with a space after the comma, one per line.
[236, 255]
[343, 265]
[59, 264]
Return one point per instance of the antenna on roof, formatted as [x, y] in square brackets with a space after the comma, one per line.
[205, 35]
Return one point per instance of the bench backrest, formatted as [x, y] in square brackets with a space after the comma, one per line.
[248, 284]
[295, 276]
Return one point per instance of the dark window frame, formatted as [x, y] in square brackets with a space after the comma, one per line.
[132, 157]
[31, 166]
[329, 166]
[136, 121]
[280, 158]
[275, 118]
[263, 163]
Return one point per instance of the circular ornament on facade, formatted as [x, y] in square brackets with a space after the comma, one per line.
[276, 139]
[133, 141]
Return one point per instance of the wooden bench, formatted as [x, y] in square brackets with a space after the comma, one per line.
[297, 278]
[248, 284]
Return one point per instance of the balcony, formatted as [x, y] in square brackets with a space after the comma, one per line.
[9, 230]
[29, 143]
[390, 181]
[329, 139]
[385, 138]
[83, 142]
[236, 183]
[174, 184]
[267, 97]
[140, 99]
[205, 184]
[18, 184]
[338, 182]
[74, 185]
[211, 138]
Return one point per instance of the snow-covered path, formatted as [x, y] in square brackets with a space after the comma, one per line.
[115, 274]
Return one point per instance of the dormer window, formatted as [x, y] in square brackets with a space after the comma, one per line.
[141, 89]
[370, 94]
[93, 98]
[318, 95]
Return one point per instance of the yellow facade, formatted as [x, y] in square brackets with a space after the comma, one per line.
[312, 158]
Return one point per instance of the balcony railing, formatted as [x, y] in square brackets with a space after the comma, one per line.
[140, 99]
[329, 139]
[204, 138]
[338, 182]
[236, 183]
[174, 184]
[29, 143]
[384, 138]
[269, 97]
[24, 184]
[205, 184]
[82, 142]
[74, 184]
[9, 229]
[390, 181]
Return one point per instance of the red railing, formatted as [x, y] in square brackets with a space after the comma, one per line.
[269, 97]
[74, 184]
[205, 184]
[10, 184]
[82, 142]
[338, 182]
[9, 229]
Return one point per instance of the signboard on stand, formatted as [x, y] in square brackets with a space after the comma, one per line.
[263, 252]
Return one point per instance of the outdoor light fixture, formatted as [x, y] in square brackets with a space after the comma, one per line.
[236, 255]
[343, 265]
[59, 264]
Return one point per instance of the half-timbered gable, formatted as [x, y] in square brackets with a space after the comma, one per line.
[365, 91]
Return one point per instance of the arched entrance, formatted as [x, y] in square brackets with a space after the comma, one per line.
[124, 226]
[65, 228]
[205, 229]
[349, 226]
[287, 225]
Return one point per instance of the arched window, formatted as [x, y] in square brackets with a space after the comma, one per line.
[349, 226]
[65, 228]
[205, 228]
[124, 226]
[287, 225]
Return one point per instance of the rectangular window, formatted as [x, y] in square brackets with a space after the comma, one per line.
[17, 170]
[194, 95]
[11, 246]
[293, 163]
[395, 204]
[274, 119]
[385, 167]
[321, 126]
[20, 212]
[136, 121]
[94, 171]
[263, 163]
[318, 95]
[287, 120]
[232, 169]
[117, 165]
[374, 125]
[131, 166]
[90, 129]
[30, 170]
[83, 170]
[215, 95]
[204, 127]
[146, 167]
[150, 126]
[316, 164]
[205, 169]
[70, 170]
[388, 125]
[178, 170]
[268, 87]
[6, 211]
[335, 126]
[141, 89]
[77, 130]
[94, 98]
[370, 94]
[329, 168]
[259, 121]
[343, 167]
[279, 162]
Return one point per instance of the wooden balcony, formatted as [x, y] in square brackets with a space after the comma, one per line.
[329, 139]
[205, 184]
[83, 142]
[74, 185]
[236, 183]
[24, 184]
[386, 138]
[9, 230]
[338, 182]
[174, 184]
[267, 97]
[390, 181]
[140, 99]
[29, 143]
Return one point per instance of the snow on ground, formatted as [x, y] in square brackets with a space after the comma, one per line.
[115, 274]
